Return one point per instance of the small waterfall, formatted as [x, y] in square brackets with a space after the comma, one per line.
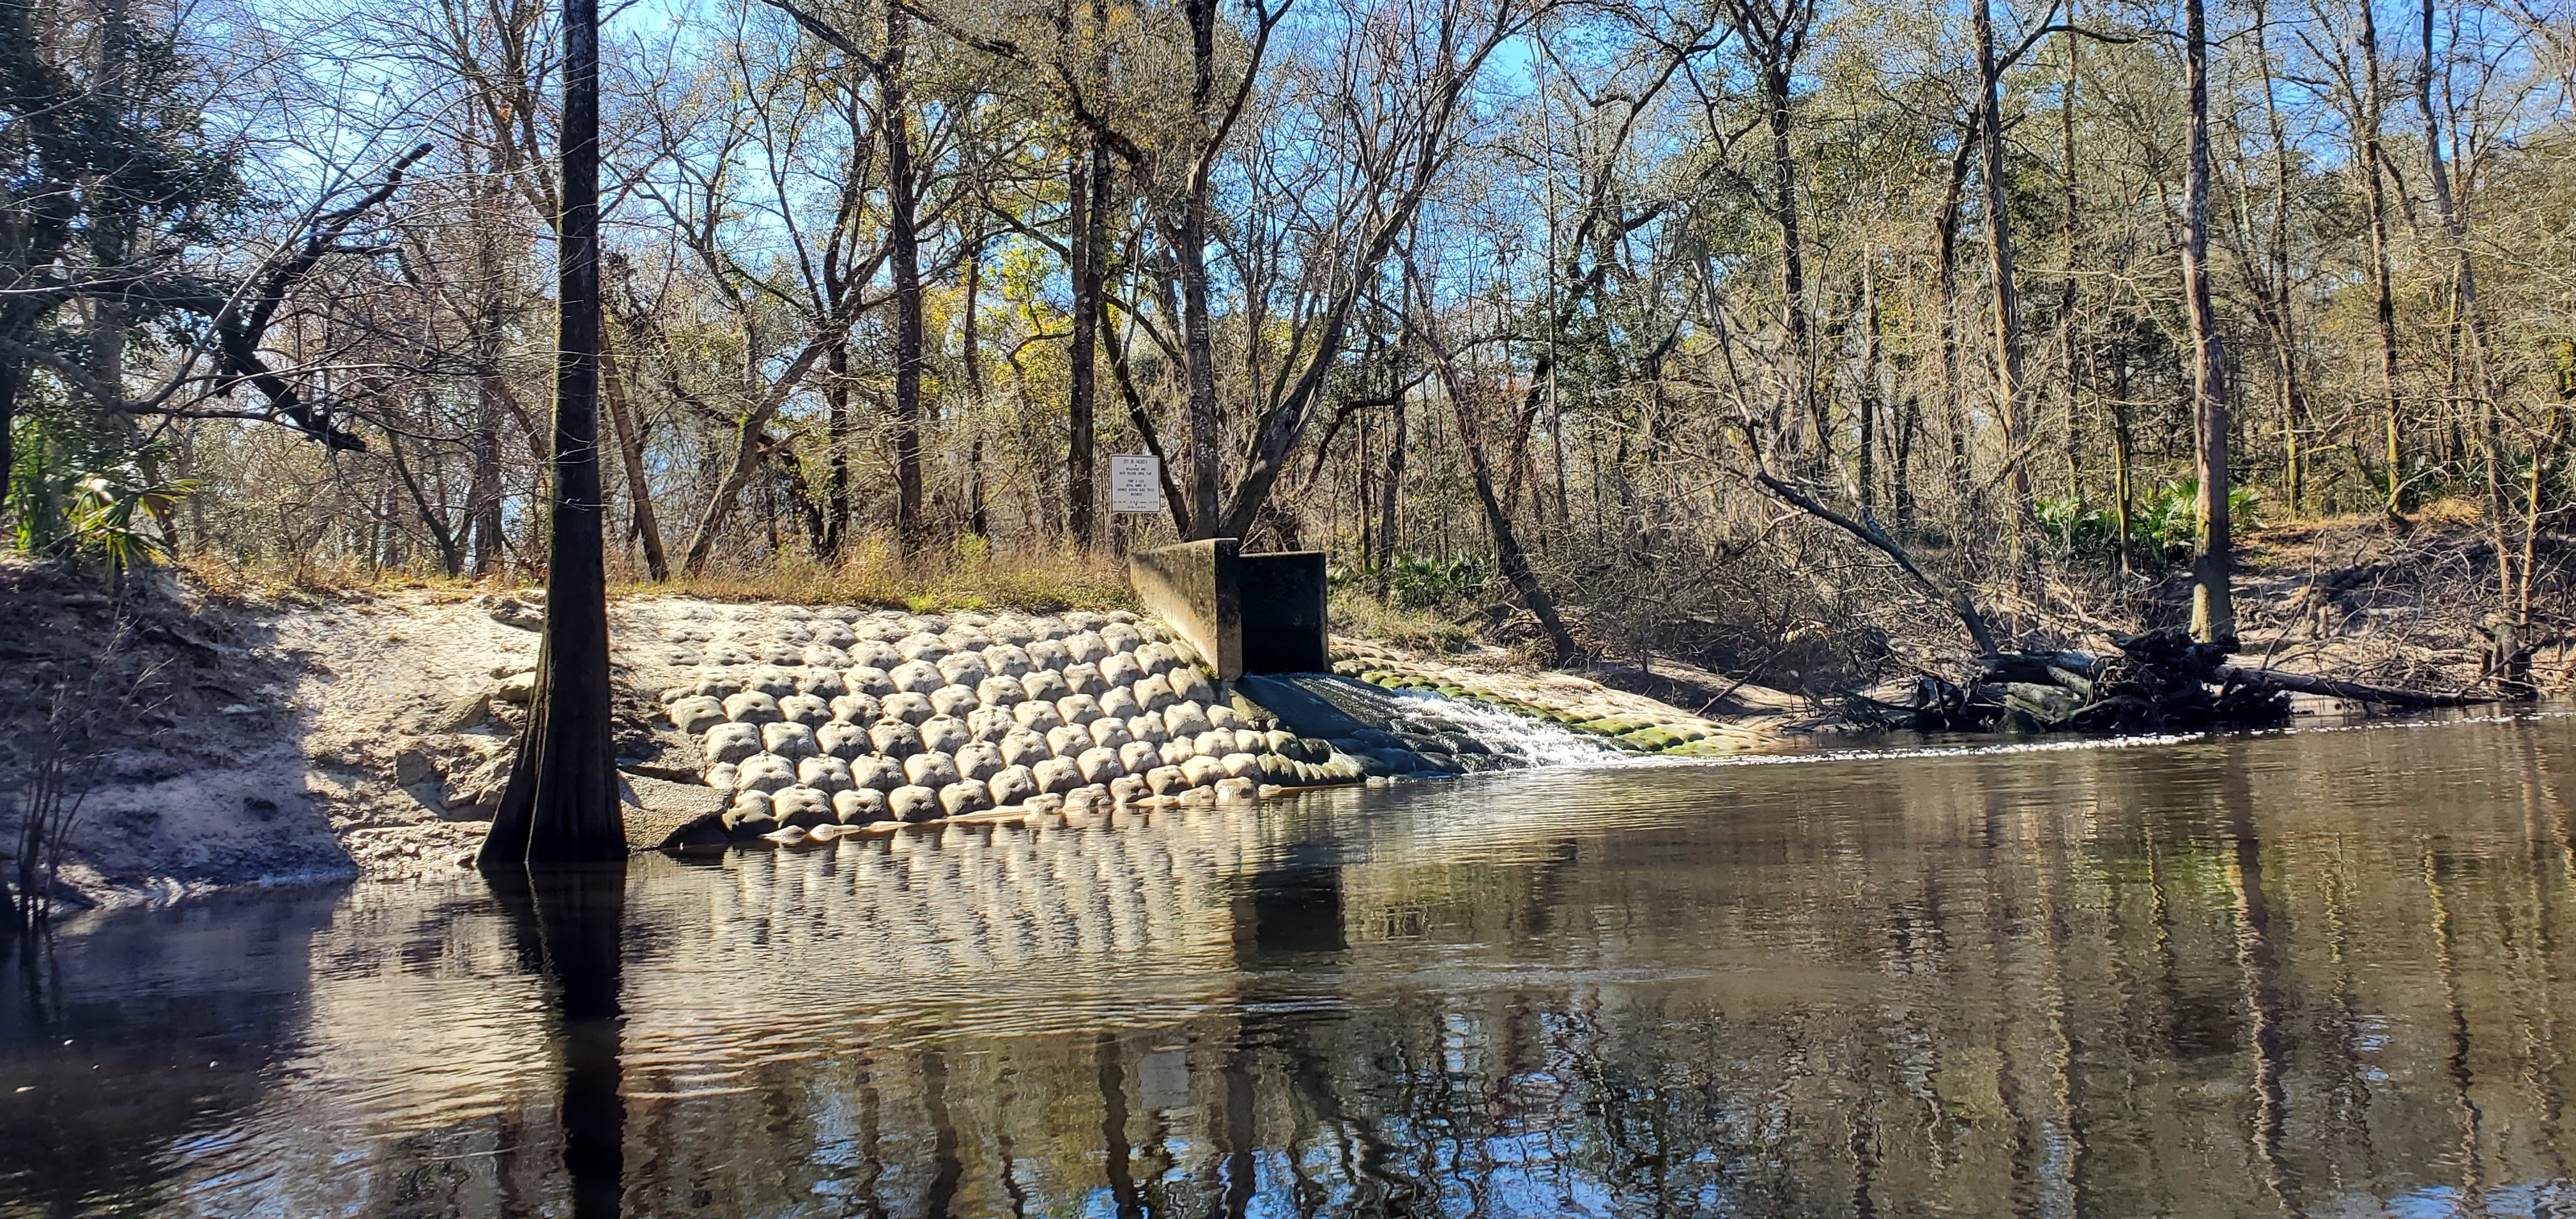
[1521, 740]
[1421, 732]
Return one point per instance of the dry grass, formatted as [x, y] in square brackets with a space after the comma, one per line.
[969, 577]
[1354, 612]
[226, 581]
[2454, 513]
[872, 575]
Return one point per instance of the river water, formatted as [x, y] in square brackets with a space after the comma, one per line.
[2318, 973]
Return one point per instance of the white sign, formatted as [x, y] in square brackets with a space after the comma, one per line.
[1135, 483]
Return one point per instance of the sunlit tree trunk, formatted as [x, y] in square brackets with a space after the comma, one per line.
[903, 198]
[2213, 608]
[2370, 110]
[1999, 255]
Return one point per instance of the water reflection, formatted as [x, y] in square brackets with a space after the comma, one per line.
[569, 923]
[139, 1036]
[2313, 974]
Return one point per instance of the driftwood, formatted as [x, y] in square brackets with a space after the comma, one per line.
[2353, 691]
[2157, 681]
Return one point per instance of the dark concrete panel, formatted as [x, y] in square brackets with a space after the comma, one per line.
[1282, 598]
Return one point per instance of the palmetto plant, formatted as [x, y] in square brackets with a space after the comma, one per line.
[118, 515]
[2169, 519]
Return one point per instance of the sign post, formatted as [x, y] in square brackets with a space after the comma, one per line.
[1135, 483]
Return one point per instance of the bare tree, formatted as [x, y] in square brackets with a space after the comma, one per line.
[2213, 606]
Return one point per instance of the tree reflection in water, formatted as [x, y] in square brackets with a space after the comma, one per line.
[569, 923]
[2314, 974]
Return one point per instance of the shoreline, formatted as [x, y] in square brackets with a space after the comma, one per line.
[365, 738]
[362, 736]
[372, 868]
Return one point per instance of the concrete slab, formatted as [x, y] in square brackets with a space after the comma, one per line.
[1306, 702]
[655, 809]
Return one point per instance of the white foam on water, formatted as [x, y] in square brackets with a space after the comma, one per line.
[1529, 741]
[1962, 749]
[1521, 739]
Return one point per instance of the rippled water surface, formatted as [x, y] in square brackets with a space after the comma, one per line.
[2320, 973]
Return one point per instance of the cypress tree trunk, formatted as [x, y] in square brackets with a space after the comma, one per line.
[561, 802]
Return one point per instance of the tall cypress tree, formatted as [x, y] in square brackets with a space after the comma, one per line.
[561, 802]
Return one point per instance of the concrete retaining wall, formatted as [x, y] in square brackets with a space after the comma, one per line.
[1196, 588]
[1245, 613]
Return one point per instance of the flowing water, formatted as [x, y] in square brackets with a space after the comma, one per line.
[1516, 739]
[2316, 973]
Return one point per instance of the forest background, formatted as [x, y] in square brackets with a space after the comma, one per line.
[1796, 338]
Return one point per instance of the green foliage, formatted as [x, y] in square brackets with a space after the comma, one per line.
[74, 491]
[114, 514]
[2167, 522]
[1357, 611]
[38, 484]
[1420, 602]
[79, 486]
[2170, 519]
[2244, 508]
[1420, 582]
[2076, 527]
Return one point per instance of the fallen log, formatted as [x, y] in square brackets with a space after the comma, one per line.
[2081, 683]
[2034, 666]
[2349, 691]
[2158, 681]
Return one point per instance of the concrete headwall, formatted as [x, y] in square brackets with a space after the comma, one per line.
[1245, 613]
[1195, 587]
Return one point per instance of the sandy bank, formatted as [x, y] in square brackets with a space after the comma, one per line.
[367, 735]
